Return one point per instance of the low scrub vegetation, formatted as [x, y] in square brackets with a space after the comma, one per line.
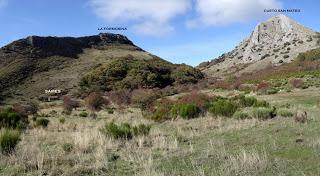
[223, 107]
[161, 111]
[186, 111]
[95, 101]
[125, 130]
[264, 113]
[144, 98]
[69, 104]
[25, 109]
[11, 119]
[311, 55]
[8, 140]
[196, 104]
[188, 106]
[305, 67]
[296, 83]
[42, 122]
[83, 114]
[241, 115]
[284, 112]
[128, 73]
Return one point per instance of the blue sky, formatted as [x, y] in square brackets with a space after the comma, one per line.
[181, 31]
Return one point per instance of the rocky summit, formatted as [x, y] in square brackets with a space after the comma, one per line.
[273, 42]
[36, 46]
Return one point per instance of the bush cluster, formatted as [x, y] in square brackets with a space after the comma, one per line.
[125, 130]
[11, 119]
[223, 107]
[188, 106]
[264, 113]
[83, 114]
[296, 83]
[144, 98]
[161, 112]
[186, 111]
[241, 115]
[69, 104]
[130, 73]
[8, 140]
[284, 112]
[311, 55]
[195, 104]
[42, 122]
[95, 101]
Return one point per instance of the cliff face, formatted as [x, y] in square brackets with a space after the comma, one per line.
[273, 42]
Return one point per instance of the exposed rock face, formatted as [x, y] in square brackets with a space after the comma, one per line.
[35, 46]
[273, 42]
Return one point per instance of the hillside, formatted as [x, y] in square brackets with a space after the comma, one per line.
[273, 42]
[32, 65]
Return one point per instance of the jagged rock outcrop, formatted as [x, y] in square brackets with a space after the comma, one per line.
[273, 42]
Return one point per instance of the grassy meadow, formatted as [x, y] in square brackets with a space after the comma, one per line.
[76, 144]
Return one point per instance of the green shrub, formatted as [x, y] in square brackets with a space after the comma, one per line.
[83, 114]
[200, 100]
[162, 112]
[43, 122]
[34, 117]
[122, 131]
[109, 110]
[143, 98]
[272, 91]
[186, 111]
[67, 147]
[261, 103]
[8, 140]
[310, 55]
[284, 112]
[11, 119]
[125, 131]
[241, 115]
[223, 107]
[132, 73]
[141, 129]
[62, 120]
[247, 101]
[286, 56]
[263, 113]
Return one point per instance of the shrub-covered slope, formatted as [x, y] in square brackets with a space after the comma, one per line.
[130, 73]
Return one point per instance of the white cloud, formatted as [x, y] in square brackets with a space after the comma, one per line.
[151, 17]
[223, 12]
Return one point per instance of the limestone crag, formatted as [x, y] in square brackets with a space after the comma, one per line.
[273, 42]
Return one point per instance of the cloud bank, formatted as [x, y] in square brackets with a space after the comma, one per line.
[224, 12]
[157, 17]
[151, 17]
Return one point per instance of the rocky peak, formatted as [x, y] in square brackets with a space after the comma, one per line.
[277, 29]
[273, 42]
[36, 46]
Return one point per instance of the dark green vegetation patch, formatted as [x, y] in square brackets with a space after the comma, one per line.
[129, 73]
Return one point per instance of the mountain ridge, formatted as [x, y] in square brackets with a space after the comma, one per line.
[37, 46]
[34, 64]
